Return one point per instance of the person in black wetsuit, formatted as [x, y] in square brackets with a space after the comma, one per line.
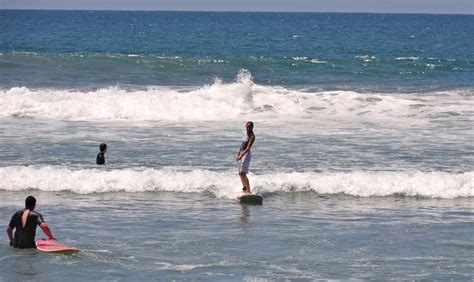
[24, 222]
[100, 156]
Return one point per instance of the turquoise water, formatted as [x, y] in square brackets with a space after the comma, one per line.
[363, 153]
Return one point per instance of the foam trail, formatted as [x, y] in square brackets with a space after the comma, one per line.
[226, 184]
[233, 101]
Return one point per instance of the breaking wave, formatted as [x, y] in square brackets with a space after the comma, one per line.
[230, 101]
[226, 184]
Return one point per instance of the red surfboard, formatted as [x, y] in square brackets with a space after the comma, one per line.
[54, 246]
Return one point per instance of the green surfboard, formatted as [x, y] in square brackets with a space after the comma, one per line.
[251, 199]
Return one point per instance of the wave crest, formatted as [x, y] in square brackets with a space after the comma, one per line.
[232, 101]
[226, 184]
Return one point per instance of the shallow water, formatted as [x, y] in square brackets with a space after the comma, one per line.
[196, 236]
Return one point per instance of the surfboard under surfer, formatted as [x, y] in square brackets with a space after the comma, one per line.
[244, 156]
[24, 223]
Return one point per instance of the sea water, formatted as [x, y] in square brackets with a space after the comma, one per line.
[364, 144]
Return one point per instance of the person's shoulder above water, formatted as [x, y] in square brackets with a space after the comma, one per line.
[24, 223]
[16, 219]
[100, 160]
[36, 216]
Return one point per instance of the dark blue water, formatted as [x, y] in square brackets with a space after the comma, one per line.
[100, 48]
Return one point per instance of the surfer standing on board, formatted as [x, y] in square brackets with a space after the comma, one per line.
[24, 222]
[244, 156]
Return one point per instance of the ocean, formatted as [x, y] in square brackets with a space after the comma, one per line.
[364, 149]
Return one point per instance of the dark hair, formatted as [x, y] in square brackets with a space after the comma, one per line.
[249, 124]
[30, 202]
[103, 147]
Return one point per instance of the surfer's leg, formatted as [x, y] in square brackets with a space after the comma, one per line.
[242, 179]
[243, 170]
[245, 182]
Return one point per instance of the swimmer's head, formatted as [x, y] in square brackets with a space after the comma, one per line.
[30, 203]
[103, 147]
[249, 126]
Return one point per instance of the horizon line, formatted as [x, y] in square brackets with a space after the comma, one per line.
[237, 11]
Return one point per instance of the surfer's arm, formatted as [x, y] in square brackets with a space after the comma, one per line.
[47, 231]
[242, 153]
[10, 235]
[238, 153]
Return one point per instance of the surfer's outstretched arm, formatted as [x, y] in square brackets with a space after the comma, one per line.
[47, 231]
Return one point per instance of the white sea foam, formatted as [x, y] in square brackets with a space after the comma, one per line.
[317, 61]
[299, 58]
[407, 58]
[241, 99]
[366, 58]
[226, 184]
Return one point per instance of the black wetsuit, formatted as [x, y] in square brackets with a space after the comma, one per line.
[25, 236]
[100, 158]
